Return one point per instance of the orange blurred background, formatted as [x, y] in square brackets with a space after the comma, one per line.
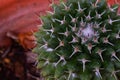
[20, 17]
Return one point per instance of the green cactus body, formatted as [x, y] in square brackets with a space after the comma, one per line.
[80, 40]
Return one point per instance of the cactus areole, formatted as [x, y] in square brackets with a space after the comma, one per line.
[80, 40]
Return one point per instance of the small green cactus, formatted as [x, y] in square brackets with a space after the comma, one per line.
[80, 40]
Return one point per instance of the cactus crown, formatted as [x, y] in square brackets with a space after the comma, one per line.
[80, 40]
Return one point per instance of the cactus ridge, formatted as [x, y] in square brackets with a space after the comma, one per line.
[80, 40]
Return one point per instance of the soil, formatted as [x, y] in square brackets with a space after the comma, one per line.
[18, 64]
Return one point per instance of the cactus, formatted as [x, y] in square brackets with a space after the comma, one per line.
[80, 40]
